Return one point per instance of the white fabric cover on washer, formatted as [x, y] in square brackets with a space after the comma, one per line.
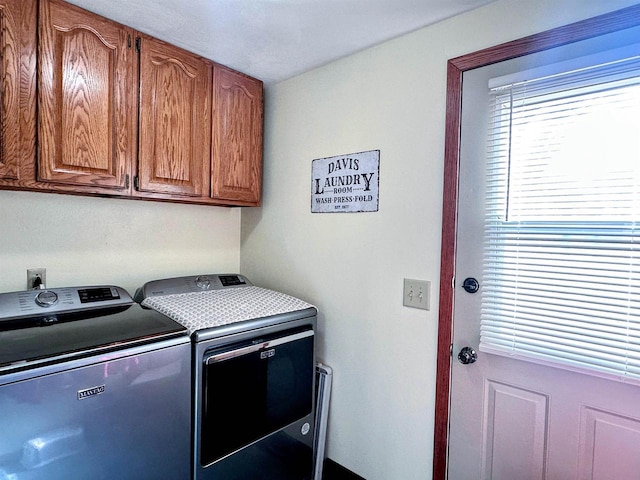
[213, 308]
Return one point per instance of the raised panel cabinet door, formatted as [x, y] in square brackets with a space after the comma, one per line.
[86, 98]
[236, 171]
[175, 120]
[17, 89]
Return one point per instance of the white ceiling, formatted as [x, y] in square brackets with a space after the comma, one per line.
[274, 40]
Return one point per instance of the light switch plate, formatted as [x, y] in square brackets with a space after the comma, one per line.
[417, 294]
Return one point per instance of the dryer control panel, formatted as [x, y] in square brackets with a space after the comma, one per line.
[194, 283]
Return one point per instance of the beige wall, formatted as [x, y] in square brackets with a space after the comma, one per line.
[391, 98]
[87, 240]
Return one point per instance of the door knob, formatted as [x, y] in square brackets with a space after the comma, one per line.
[467, 355]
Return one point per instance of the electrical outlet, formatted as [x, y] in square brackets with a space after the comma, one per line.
[33, 274]
[417, 293]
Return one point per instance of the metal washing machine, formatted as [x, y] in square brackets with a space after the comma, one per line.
[92, 386]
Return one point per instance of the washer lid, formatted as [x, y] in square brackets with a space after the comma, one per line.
[76, 335]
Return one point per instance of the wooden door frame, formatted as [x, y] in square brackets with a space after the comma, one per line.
[601, 25]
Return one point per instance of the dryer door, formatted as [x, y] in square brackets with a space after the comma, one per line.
[253, 389]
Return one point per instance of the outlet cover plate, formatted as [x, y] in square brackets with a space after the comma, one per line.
[32, 273]
[416, 294]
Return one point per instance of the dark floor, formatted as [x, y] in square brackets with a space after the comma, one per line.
[335, 471]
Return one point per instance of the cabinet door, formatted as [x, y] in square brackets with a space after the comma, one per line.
[175, 120]
[87, 98]
[236, 171]
[17, 89]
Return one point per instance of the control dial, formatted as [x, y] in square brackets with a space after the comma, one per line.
[203, 282]
[46, 298]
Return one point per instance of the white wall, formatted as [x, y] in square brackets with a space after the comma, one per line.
[391, 98]
[88, 240]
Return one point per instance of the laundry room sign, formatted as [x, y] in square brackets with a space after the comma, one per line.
[346, 183]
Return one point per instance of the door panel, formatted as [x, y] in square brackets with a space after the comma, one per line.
[86, 98]
[175, 120]
[513, 419]
[515, 432]
[86, 105]
[603, 436]
[237, 137]
[17, 84]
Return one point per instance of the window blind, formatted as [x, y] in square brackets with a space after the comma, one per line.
[561, 272]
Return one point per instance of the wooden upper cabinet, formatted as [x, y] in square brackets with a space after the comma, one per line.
[120, 113]
[87, 98]
[236, 172]
[175, 120]
[17, 90]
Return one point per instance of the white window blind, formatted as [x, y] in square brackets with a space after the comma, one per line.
[561, 277]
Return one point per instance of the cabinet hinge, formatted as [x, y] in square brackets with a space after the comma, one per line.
[126, 181]
[136, 183]
[138, 44]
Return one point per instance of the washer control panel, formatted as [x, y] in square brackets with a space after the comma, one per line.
[54, 301]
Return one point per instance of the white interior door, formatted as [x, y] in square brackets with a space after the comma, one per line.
[513, 419]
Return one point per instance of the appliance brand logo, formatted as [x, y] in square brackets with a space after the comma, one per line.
[267, 353]
[90, 392]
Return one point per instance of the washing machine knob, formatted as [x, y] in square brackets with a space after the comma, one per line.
[203, 282]
[46, 298]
